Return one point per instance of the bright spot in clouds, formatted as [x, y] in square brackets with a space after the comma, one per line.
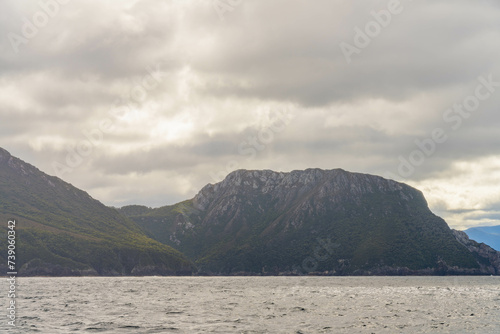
[193, 89]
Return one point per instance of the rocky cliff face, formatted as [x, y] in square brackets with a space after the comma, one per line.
[307, 221]
[489, 235]
[307, 192]
[489, 259]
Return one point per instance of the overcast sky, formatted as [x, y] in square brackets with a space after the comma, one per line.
[145, 102]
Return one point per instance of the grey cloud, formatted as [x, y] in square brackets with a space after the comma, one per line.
[169, 157]
[219, 75]
[487, 216]
[420, 50]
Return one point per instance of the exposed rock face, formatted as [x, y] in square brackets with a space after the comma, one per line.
[309, 190]
[321, 221]
[489, 259]
[489, 235]
[288, 187]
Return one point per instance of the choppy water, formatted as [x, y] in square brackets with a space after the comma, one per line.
[256, 305]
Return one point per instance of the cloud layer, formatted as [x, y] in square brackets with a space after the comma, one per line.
[145, 102]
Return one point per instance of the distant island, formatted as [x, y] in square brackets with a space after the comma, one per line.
[311, 222]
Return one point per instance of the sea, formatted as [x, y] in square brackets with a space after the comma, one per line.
[300, 304]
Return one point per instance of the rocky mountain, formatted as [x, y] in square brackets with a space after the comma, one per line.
[253, 222]
[489, 258]
[321, 221]
[61, 230]
[490, 235]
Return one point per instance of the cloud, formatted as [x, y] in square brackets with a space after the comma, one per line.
[185, 92]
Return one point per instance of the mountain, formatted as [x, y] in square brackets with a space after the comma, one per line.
[489, 258]
[322, 221]
[490, 235]
[61, 230]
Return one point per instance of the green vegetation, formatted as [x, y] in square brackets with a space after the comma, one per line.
[62, 230]
[251, 232]
[367, 224]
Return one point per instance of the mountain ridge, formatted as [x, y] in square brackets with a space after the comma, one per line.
[322, 222]
[62, 230]
[266, 221]
[490, 235]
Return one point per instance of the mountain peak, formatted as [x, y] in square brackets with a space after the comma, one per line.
[334, 183]
[262, 221]
[4, 155]
[64, 231]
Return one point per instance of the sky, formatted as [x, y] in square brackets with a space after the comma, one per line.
[145, 102]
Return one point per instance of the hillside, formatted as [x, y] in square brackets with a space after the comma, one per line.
[61, 230]
[490, 235]
[488, 258]
[328, 221]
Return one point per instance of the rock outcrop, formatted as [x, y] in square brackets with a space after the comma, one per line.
[311, 221]
[489, 259]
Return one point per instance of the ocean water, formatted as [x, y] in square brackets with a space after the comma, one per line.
[255, 305]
